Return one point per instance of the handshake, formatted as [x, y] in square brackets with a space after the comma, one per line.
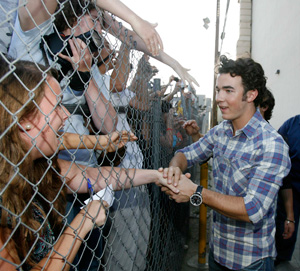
[176, 185]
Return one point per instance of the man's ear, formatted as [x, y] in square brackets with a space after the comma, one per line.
[251, 95]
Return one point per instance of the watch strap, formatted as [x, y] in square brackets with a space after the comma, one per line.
[199, 189]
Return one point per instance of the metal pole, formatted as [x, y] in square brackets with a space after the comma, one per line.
[214, 119]
[155, 189]
[156, 125]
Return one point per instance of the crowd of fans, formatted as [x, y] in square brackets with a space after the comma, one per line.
[79, 99]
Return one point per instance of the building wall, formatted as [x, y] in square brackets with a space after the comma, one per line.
[244, 42]
[275, 43]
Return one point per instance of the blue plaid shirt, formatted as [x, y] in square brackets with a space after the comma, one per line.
[250, 164]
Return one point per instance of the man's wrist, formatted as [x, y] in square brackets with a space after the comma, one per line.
[290, 221]
[196, 198]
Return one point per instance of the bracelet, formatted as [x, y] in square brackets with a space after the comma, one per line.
[290, 221]
[169, 129]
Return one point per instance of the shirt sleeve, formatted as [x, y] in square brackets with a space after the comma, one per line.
[271, 166]
[200, 151]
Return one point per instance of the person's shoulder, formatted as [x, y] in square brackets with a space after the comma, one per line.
[292, 120]
[291, 124]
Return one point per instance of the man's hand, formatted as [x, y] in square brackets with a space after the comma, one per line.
[162, 182]
[289, 229]
[172, 174]
[185, 189]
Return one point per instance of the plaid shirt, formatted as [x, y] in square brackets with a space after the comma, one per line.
[250, 164]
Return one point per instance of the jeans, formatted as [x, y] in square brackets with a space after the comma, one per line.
[266, 264]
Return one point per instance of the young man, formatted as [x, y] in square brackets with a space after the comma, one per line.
[250, 159]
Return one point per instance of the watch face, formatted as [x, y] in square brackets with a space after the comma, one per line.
[196, 199]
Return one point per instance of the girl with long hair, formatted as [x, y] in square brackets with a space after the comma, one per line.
[33, 233]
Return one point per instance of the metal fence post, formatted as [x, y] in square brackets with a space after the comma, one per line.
[156, 125]
[156, 212]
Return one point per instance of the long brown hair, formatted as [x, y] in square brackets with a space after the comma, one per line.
[24, 182]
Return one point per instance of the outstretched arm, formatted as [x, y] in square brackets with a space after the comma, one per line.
[101, 177]
[123, 33]
[110, 143]
[143, 29]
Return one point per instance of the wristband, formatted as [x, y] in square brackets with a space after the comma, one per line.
[169, 129]
[290, 221]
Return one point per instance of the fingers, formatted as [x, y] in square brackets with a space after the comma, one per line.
[114, 136]
[177, 176]
[172, 174]
[155, 42]
[170, 190]
[105, 204]
[188, 175]
[160, 42]
[288, 230]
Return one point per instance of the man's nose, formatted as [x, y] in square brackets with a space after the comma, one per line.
[219, 96]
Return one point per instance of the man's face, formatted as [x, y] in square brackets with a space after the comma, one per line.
[234, 105]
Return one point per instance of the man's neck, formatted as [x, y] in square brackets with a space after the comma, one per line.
[241, 122]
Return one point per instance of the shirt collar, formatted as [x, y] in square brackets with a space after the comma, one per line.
[249, 129]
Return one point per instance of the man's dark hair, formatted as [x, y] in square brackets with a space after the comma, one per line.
[269, 102]
[251, 72]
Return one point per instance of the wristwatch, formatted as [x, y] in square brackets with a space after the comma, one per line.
[196, 198]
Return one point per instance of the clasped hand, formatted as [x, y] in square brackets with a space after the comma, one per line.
[176, 185]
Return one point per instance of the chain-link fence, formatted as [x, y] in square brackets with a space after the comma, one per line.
[61, 145]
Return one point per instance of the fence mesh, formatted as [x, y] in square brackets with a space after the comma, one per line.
[144, 229]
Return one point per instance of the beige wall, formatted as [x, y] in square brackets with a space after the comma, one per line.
[275, 43]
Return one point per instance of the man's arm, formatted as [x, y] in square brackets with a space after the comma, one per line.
[287, 198]
[230, 206]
